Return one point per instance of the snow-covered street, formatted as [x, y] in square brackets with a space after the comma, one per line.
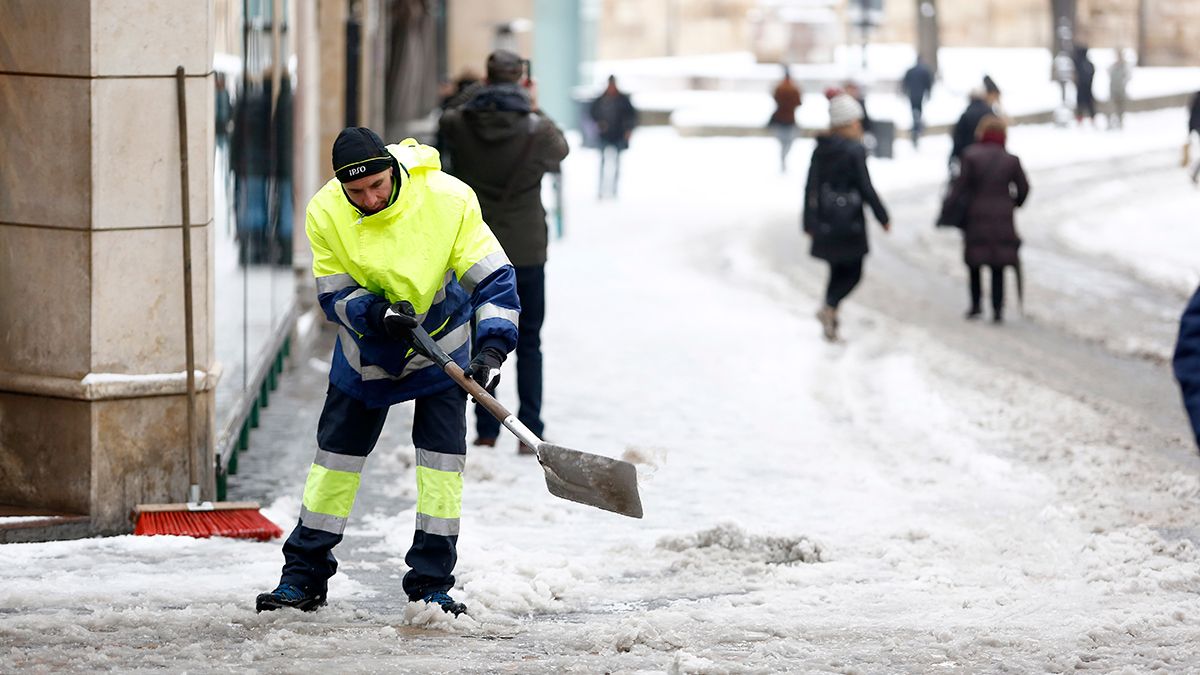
[930, 495]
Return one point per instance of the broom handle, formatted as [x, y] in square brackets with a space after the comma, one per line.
[426, 346]
[193, 469]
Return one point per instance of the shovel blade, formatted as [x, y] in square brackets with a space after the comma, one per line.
[603, 482]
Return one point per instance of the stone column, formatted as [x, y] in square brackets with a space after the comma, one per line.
[92, 394]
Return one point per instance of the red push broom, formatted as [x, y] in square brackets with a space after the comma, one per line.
[197, 518]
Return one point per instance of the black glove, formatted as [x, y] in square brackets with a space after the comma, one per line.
[485, 368]
[399, 319]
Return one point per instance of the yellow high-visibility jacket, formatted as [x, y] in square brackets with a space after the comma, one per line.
[430, 247]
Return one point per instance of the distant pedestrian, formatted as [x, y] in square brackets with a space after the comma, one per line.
[615, 119]
[501, 145]
[991, 94]
[783, 120]
[981, 102]
[1194, 128]
[1119, 74]
[1186, 362]
[838, 187]
[224, 110]
[1085, 73]
[457, 92]
[917, 84]
[994, 185]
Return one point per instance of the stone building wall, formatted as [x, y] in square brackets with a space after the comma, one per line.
[92, 403]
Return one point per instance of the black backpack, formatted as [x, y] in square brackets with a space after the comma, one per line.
[839, 212]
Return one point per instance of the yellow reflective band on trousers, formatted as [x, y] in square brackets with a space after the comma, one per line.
[330, 492]
[439, 493]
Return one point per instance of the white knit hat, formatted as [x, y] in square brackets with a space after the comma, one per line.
[844, 109]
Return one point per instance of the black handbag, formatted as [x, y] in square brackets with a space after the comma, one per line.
[954, 213]
[839, 213]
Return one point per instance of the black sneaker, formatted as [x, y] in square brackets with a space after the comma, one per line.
[447, 603]
[289, 595]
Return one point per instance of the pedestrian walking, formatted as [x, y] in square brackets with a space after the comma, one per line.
[615, 118]
[396, 243]
[1119, 74]
[451, 95]
[1085, 73]
[1193, 128]
[917, 85]
[993, 185]
[224, 110]
[454, 93]
[501, 145]
[981, 102]
[251, 159]
[1186, 362]
[837, 188]
[783, 121]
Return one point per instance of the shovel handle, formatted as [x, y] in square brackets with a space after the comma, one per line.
[425, 345]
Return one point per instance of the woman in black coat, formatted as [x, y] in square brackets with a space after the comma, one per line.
[838, 186]
[994, 185]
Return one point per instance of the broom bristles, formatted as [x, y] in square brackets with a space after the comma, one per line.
[237, 523]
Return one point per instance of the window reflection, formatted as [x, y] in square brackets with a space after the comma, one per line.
[253, 226]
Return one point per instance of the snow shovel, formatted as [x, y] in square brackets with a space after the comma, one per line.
[603, 482]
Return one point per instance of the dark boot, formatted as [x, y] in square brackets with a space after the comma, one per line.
[447, 603]
[289, 595]
[829, 324]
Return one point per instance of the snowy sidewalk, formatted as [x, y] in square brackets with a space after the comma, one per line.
[883, 505]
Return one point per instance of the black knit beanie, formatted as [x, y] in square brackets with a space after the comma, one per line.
[359, 152]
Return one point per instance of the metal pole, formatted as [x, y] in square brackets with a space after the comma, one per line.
[353, 58]
[1142, 13]
[863, 25]
[927, 33]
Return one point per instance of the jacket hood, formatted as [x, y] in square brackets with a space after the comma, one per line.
[505, 96]
[497, 112]
[414, 161]
[414, 156]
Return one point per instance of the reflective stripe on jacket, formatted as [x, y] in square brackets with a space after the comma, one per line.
[430, 247]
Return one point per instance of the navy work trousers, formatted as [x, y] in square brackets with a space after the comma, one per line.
[531, 287]
[346, 434]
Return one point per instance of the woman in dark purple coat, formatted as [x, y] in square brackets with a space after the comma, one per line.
[995, 186]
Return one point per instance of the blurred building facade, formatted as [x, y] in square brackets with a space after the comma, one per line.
[92, 358]
[555, 35]
[1165, 32]
[477, 27]
[650, 28]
